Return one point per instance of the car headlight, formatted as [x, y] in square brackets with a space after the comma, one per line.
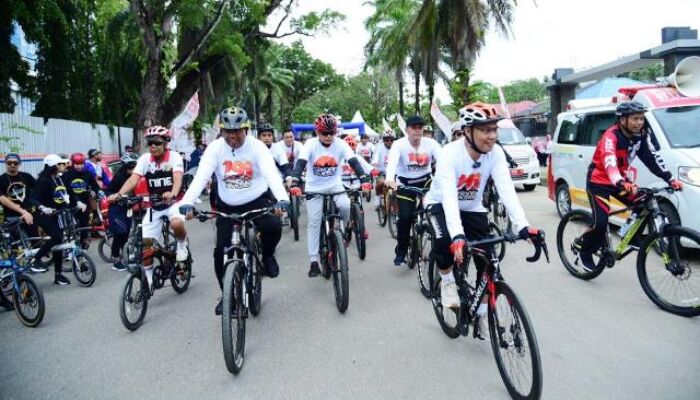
[689, 175]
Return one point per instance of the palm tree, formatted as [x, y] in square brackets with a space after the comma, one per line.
[273, 79]
[458, 28]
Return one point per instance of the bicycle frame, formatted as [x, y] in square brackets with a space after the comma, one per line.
[15, 253]
[330, 215]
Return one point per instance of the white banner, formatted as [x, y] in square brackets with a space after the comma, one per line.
[401, 122]
[440, 119]
[504, 105]
[181, 141]
[386, 124]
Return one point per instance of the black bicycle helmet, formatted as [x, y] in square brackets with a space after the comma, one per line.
[630, 107]
[265, 127]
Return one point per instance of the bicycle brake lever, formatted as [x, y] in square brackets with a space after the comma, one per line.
[536, 256]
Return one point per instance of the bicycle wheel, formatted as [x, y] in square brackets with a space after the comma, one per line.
[294, 217]
[393, 215]
[358, 217]
[181, 275]
[570, 229]
[514, 344]
[28, 301]
[413, 249]
[447, 318]
[233, 319]
[426, 264]
[84, 269]
[499, 247]
[255, 292]
[133, 302]
[500, 216]
[339, 269]
[104, 247]
[672, 279]
[381, 212]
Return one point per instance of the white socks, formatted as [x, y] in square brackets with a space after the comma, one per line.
[481, 311]
[149, 275]
[447, 278]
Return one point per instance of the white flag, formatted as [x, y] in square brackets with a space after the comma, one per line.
[504, 105]
[402, 123]
[440, 119]
[181, 141]
[386, 124]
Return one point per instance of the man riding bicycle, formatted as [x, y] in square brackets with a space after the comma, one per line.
[163, 170]
[324, 155]
[410, 162]
[85, 188]
[379, 161]
[454, 201]
[365, 149]
[245, 174]
[608, 174]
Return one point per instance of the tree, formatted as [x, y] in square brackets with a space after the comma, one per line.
[13, 68]
[648, 73]
[520, 90]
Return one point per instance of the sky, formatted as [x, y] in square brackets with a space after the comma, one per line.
[546, 34]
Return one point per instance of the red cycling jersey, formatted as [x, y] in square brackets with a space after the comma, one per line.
[615, 152]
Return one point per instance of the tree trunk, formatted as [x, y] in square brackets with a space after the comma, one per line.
[431, 93]
[151, 101]
[416, 78]
[401, 106]
[268, 107]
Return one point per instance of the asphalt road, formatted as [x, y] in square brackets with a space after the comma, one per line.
[598, 340]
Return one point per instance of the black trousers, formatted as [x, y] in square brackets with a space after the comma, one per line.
[407, 206]
[599, 197]
[269, 226]
[475, 225]
[49, 224]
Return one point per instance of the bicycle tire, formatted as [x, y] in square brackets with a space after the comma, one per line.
[381, 213]
[359, 227]
[452, 332]
[255, 294]
[104, 247]
[28, 296]
[84, 269]
[392, 216]
[426, 264]
[500, 247]
[233, 344]
[413, 246]
[339, 271]
[521, 322]
[294, 217]
[573, 265]
[181, 275]
[128, 297]
[645, 267]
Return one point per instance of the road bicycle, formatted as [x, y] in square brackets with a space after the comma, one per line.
[668, 264]
[511, 333]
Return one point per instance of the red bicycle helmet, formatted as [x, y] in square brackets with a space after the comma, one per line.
[326, 123]
[158, 130]
[77, 158]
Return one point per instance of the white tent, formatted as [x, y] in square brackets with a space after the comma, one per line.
[368, 129]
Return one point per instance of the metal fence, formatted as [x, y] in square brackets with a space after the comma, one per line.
[33, 139]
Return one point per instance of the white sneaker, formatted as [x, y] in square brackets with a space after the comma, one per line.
[448, 293]
[481, 327]
[181, 253]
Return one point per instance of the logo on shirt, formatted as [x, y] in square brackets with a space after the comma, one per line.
[60, 194]
[17, 192]
[417, 161]
[325, 166]
[153, 167]
[79, 186]
[238, 174]
[468, 186]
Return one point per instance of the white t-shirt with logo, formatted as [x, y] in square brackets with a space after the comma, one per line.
[242, 174]
[459, 184]
[408, 162]
[381, 157]
[365, 151]
[324, 164]
[291, 152]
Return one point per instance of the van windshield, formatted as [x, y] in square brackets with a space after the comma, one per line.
[681, 125]
[510, 136]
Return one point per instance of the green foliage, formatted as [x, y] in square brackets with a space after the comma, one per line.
[317, 22]
[648, 73]
[520, 90]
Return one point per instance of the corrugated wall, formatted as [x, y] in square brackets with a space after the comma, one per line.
[33, 139]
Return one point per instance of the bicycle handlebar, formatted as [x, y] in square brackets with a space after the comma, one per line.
[540, 244]
[414, 189]
[203, 216]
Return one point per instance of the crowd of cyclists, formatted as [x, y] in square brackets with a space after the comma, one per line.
[242, 172]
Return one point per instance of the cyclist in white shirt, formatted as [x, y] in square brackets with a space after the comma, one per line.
[247, 179]
[365, 149]
[323, 156]
[410, 163]
[454, 202]
[380, 160]
[289, 146]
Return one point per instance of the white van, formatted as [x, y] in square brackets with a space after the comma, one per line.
[527, 173]
[675, 120]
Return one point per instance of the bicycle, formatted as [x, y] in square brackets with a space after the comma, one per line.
[381, 208]
[242, 282]
[133, 302]
[333, 255]
[392, 213]
[100, 229]
[293, 214]
[17, 290]
[511, 334]
[495, 207]
[665, 254]
[82, 265]
[356, 224]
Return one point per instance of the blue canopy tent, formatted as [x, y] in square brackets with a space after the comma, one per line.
[297, 129]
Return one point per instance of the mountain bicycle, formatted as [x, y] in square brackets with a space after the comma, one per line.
[356, 224]
[668, 266]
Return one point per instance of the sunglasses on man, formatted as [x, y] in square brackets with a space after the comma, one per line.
[155, 143]
[12, 163]
[327, 133]
[388, 140]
